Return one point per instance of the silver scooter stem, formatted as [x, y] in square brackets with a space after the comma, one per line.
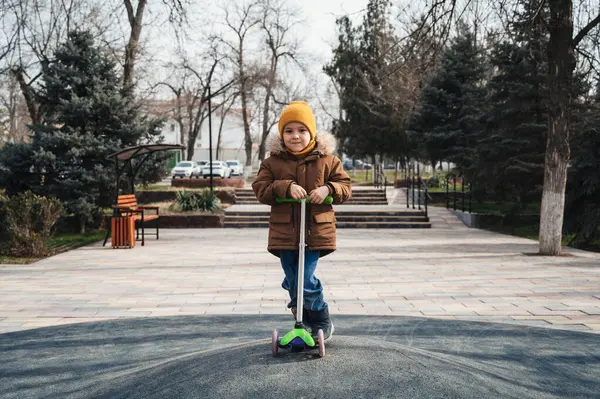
[301, 247]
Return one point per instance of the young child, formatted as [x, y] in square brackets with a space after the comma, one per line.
[302, 164]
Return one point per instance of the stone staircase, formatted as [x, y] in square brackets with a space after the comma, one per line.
[367, 196]
[367, 219]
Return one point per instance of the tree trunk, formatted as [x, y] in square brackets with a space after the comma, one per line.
[81, 225]
[28, 95]
[190, 149]
[247, 136]
[219, 138]
[561, 63]
[266, 107]
[181, 124]
[191, 144]
[135, 22]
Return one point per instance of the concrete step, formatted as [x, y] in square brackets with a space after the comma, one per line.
[344, 225]
[354, 197]
[249, 192]
[344, 218]
[349, 219]
[354, 193]
[355, 202]
[340, 213]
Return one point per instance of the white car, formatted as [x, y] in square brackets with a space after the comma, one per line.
[219, 169]
[236, 167]
[185, 169]
[201, 163]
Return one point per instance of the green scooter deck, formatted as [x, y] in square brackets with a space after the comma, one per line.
[298, 333]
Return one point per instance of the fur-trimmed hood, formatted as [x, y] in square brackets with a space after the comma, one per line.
[326, 144]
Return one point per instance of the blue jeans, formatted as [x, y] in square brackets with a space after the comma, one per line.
[313, 290]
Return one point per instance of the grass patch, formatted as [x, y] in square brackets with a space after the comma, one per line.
[58, 243]
[530, 231]
[360, 177]
[526, 229]
[491, 207]
[12, 260]
[72, 241]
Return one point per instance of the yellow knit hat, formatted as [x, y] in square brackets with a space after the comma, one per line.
[298, 111]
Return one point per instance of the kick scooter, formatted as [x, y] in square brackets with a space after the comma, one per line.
[298, 339]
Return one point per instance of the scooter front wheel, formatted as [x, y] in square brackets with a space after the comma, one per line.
[274, 343]
[321, 343]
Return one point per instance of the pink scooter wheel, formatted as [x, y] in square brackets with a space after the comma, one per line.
[274, 339]
[321, 342]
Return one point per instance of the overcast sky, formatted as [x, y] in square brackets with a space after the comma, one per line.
[321, 15]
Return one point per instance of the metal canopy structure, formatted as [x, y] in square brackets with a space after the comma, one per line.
[132, 152]
[128, 154]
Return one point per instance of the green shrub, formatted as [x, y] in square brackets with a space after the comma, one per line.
[28, 220]
[4, 235]
[204, 200]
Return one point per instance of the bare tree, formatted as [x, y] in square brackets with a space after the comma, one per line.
[228, 102]
[135, 17]
[278, 19]
[16, 118]
[191, 95]
[33, 29]
[241, 18]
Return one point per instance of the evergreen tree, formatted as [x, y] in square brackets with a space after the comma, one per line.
[582, 208]
[86, 117]
[16, 167]
[360, 68]
[446, 125]
[511, 154]
[345, 70]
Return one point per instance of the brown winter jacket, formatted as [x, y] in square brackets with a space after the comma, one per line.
[318, 168]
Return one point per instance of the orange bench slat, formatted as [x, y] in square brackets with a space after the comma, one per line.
[146, 217]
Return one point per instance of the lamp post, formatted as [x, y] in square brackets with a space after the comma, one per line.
[210, 138]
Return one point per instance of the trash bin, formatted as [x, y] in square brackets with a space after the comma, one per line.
[123, 231]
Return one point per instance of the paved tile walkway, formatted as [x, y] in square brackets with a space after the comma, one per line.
[448, 272]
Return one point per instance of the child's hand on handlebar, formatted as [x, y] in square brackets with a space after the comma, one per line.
[318, 195]
[297, 192]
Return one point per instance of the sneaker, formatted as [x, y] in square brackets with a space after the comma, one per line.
[305, 318]
[321, 321]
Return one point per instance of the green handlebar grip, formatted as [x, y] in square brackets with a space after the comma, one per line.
[328, 200]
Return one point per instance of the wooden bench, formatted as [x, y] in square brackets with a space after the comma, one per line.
[127, 205]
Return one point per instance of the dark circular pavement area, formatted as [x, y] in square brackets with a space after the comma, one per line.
[229, 357]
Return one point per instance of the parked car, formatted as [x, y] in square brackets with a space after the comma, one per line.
[219, 169]
[186, 169]
[356, 163]
[236, 167]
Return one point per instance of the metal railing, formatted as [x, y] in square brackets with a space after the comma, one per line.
[416, 189]
[462, 193]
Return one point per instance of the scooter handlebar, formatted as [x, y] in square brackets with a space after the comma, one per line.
[327, 201]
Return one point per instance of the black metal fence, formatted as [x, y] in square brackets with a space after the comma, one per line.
[415, 189]
[462, 196]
